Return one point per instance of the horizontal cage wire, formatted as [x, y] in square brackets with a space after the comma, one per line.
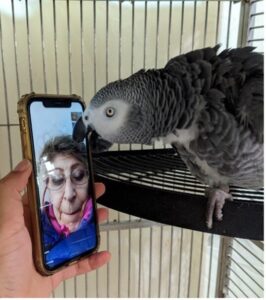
[159, 169]
[255, 36]
[74, 46]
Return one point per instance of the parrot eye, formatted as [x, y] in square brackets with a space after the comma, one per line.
[110, 112]
[86, 118]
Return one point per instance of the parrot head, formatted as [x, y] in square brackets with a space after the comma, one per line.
[116, 114]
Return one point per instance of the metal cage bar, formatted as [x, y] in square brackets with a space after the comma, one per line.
[5, 93]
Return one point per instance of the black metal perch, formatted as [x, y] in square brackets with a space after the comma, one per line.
[156, 185]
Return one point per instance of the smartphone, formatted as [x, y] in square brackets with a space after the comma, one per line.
[61, 188]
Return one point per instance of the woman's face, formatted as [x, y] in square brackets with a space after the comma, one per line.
[68, 186]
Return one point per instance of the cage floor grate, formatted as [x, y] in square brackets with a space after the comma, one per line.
[156, 185]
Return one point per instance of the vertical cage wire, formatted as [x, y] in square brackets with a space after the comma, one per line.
[94, 47]
[106, 81]
[190, 264]
[82, 49]
[29, 45]
[151, 230]
[130, 147]
[15, 47]
[194, 23]
[182, 27]
[43, 47]
[119, 77]
[169, 29]
[145, 40]
[228, 24]
[140, 256]
[161, 258]
[132, 71]
[206, 23]
[157, 33]
[132, 46]
[201, 259]
[210, 266]
[180, 261]
[217, 22]
[56, 47]
[69, 49]
[153, 146]
[171, 241]
[161, 227]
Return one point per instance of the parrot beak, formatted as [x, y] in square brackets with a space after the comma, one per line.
[97, 143]
[80, 131]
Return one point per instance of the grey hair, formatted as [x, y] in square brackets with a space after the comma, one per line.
[64, 145]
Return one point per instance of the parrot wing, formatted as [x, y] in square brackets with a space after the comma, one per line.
[236, 75]
[243, 87]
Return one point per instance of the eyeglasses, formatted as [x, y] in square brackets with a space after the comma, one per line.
[56, 179]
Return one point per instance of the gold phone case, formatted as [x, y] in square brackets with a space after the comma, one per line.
[22, 109]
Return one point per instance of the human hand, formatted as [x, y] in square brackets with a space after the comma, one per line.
[18, 277]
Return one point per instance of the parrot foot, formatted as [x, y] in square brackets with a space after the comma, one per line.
[216, 200]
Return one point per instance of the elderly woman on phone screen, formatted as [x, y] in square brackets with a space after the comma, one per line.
[67, 207]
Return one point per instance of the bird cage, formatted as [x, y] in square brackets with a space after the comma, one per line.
[77, 47]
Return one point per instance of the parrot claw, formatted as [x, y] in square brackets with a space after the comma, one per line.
[216, 201]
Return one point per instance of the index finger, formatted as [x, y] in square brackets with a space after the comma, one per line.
[99, 189]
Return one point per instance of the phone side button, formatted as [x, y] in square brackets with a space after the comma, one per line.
[23, 124]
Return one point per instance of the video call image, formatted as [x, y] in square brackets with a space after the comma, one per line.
[66, 206]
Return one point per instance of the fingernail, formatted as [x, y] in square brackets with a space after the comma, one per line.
[22, 166]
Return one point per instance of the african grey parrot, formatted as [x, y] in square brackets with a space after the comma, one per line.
[208, 106]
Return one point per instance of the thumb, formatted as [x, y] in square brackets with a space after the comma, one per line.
[15, 182]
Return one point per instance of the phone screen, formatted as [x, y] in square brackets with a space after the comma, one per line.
[62, 171]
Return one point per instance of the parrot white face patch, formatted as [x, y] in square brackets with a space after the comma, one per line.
[108, 118]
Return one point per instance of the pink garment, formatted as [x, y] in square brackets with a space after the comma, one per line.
[63, 229]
